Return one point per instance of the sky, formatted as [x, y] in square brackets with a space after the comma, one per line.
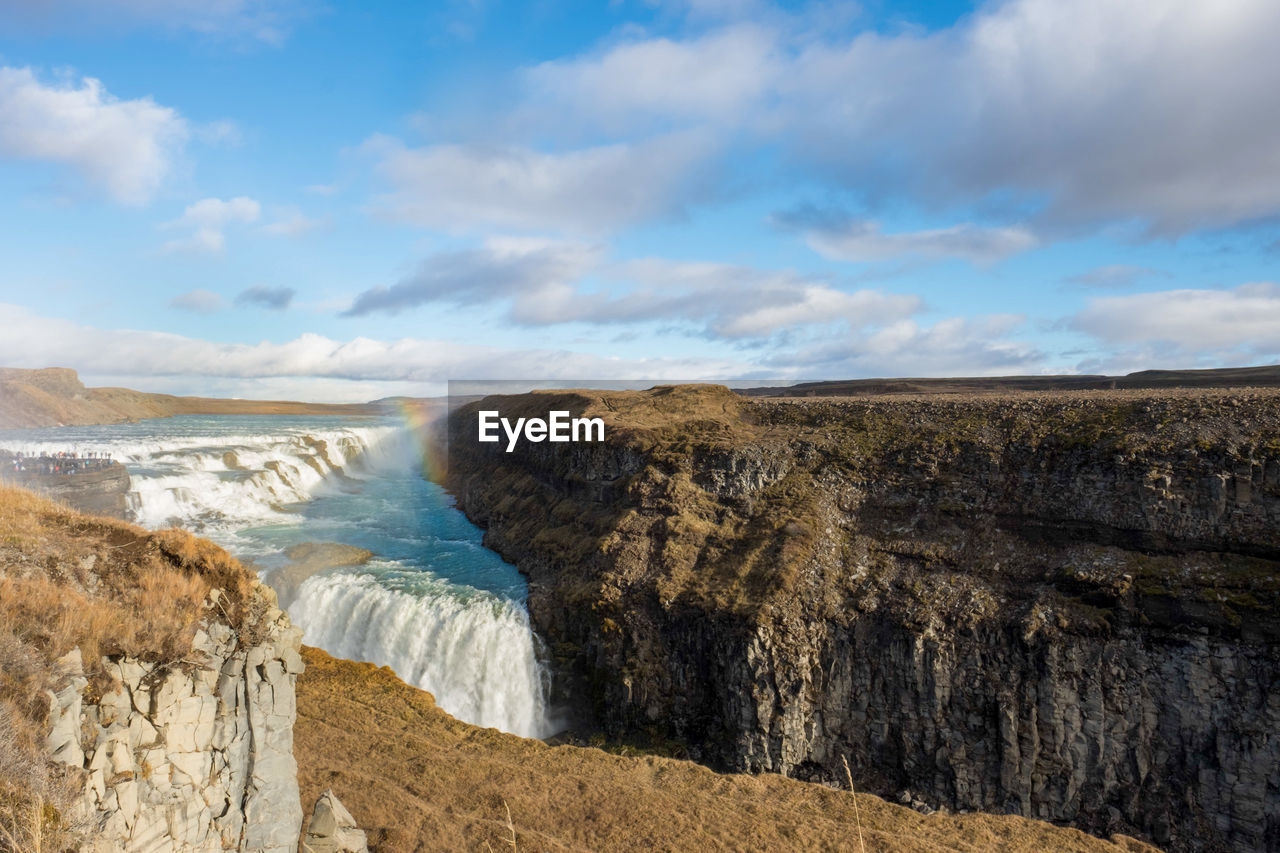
[327, 200]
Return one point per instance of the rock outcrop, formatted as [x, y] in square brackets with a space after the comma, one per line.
[196, 758]
[310, 558]
[100, 491]
[1063, 606]
[332, 829]
[169, 673]
[421, 780]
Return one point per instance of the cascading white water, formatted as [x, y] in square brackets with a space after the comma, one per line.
[473, 651]
[446, 614]
[233, 480]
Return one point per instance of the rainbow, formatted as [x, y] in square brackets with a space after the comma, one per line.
[422, 417]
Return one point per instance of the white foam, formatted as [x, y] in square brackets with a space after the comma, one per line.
[473, 651]
[187, 480]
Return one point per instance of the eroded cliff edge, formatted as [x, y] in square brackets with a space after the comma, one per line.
[158, 674]
[1062, 606]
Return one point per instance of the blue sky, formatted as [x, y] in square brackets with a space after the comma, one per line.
[347, 200]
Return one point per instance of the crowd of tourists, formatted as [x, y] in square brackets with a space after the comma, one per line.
[62, 462]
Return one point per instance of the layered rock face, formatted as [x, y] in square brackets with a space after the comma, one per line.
[195, 758]
[1062, 606]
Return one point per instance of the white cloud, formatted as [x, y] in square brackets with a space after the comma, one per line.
[520, 269]
[223, 132]
[1155, 111]
[545, 283]
[215, 213]
[734, 302]
[862, 241]
[197, 301]
[271, 298]
[1245, 319]
[957, 346]
[207, 241]
[714, 77]
[127, 147]
[812, 304]
[589, 190]
[310, 366]
[292, 222]
[208, 219]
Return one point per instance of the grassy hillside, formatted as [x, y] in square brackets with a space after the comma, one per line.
[418, 780]
[55, 396]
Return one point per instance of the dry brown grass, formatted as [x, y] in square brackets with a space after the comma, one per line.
[415, 779]
[27, 783]
[110, 587]
[34, 796]
[216, 569]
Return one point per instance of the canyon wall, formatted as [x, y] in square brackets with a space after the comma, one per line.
[1061, 606]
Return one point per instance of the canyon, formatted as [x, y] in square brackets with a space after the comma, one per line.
[153, 697]
[1059, 605]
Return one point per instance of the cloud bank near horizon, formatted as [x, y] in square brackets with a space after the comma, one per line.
[1181, 328]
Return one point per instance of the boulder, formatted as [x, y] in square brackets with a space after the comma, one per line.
[332, 828]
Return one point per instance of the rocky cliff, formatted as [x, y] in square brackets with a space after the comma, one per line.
[191, 761]
[1062, 606]
[158, 676]
[99, 491]
[417, 779]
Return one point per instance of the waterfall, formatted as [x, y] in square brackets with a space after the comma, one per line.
[473, 651]
[442, 611]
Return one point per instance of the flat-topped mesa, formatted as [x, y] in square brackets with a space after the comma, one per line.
[55, 396]
[1064, 605]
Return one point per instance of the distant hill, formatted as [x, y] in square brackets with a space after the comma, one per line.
[1231, 377]
[55, 396]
